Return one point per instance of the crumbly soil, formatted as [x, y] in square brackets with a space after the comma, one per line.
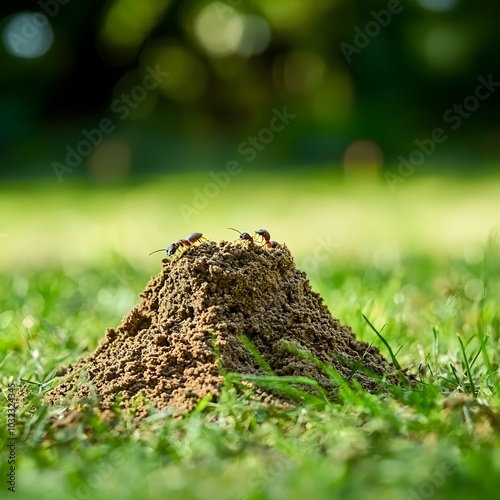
[171, 349]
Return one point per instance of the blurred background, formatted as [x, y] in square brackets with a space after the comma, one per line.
[128, 124]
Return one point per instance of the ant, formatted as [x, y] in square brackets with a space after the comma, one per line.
[268, 242]
[267, 238]
[183, 242]
[243, 236]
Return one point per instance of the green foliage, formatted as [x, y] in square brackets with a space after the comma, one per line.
[390, 77]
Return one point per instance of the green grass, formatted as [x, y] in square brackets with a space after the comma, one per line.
[438, 439]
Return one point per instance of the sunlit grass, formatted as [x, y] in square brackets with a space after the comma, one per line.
[56, 224]
[445, 425]
[434, 301]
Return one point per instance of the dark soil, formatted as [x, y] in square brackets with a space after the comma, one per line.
[163, 353]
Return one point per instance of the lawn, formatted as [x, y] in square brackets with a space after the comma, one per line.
[422, 264]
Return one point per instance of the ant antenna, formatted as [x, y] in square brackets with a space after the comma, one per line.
[234, 229]
[160, 250]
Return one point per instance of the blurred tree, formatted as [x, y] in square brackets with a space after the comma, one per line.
[385, 72]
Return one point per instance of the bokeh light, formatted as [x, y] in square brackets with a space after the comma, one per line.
[128, 22]
[289, 15]
[303, 71]
[222, 35]
[438, 5]
[332, 102]
[364, 157]
[110, 161]
[474, 289]
[256, 36]
[187, 79]
[229, 64]
[131, 100]
[446, 47]
[219, 36]
[28, 35]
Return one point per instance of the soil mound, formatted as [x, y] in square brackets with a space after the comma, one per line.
[164, 352]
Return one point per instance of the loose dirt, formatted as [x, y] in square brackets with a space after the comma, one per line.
[172, 349]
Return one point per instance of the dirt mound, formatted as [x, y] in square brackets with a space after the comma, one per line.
[200, 304]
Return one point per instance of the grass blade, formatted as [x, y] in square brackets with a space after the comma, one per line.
[467, 366]
[284, 386]
[379, 335]
[455, 374]
[257, 355]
